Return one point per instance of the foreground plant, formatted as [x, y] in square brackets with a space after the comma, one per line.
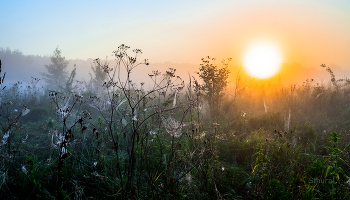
[334, 171]
[136, 120]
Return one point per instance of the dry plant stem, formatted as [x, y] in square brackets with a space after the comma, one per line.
[65, 135]
[238, 87]
[125, 88]
[11, 122]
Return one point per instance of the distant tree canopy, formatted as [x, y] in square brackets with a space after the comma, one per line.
[215, 82]
[69, 87]
[57, 74]
[100, 75]
[8, 53]
[20, 67]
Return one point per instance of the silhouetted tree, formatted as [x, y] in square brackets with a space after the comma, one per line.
[215, 82]
[99, 75]
[69, 87]
[57, 74]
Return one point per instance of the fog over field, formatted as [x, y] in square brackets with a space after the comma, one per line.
[21, 67]
[243, 99]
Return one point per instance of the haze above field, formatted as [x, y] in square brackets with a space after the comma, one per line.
[179, 34]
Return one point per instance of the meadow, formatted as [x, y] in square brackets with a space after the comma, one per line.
[112, 138]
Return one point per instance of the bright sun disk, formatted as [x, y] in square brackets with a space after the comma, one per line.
[262, 60]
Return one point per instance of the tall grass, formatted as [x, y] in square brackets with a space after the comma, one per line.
[123, 141]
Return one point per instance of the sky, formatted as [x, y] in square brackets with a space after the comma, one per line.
[308, 32]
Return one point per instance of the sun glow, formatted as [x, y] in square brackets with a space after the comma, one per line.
[262, 60]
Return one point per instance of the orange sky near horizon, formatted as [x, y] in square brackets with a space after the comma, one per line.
[306, 32]
[307, 39]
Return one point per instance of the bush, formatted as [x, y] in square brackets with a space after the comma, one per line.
[37, 114]
[276, 190]
[305, 132]
[267, 121]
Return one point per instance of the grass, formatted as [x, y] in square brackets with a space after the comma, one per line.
[130, 143]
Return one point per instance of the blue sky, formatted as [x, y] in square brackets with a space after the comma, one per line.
[180, 31]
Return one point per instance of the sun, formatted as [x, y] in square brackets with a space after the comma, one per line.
[262, 60]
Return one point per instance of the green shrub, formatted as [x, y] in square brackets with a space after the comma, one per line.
[36, 114]
[267, 121]
[276, 190]
[317, 168]
[305, 132]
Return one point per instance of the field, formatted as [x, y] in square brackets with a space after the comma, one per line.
[112, 138]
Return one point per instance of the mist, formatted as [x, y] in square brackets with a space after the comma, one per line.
[175, 99]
